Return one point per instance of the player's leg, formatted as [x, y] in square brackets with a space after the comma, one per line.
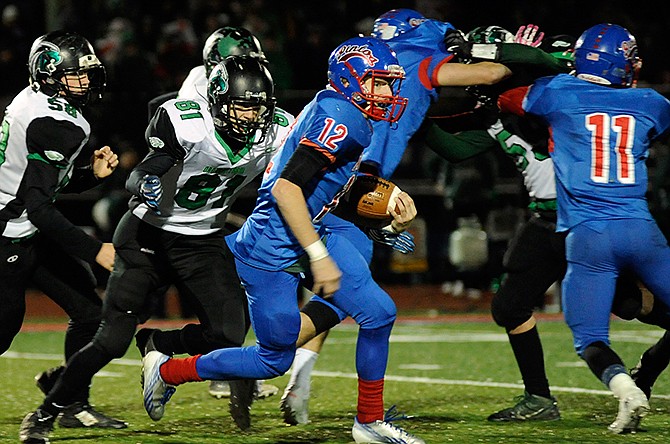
[534, 260]
[123, 308]
[17, 262]
[375, 314]
[295, 400]
[593, 255]
[220, 304]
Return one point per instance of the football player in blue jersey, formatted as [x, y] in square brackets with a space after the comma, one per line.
[601, 128]
[427, 50]
[284, 239]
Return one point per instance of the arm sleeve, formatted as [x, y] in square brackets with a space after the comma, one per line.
[82, 179]
[458, 147]
[156, 163]
[41, 180]
[516, 53]
[303, 165]
[164, 151]
[51, 143]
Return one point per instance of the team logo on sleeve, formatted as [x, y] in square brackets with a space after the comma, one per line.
[54, 155]
[155, 142]
[347, 52]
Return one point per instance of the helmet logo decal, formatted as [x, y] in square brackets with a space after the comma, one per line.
[629, 47]
[347, 52]
[416, 21]
[48, 58]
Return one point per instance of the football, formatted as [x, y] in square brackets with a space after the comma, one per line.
[369, 202]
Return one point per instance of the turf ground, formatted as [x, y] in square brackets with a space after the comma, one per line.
[449, 375]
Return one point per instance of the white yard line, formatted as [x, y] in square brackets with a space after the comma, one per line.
[324, 374]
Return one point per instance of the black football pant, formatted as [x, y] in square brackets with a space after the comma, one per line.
[147, 260]
[69, 282]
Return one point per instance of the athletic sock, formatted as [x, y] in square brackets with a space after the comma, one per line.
[303, 364]
[529, 355]
[179, 371]
[370, 401]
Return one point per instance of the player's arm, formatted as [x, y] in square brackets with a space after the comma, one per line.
[103, 163]
[458, 147]
[50, 143]
[164, 151]
[297, 177]
[461, 74]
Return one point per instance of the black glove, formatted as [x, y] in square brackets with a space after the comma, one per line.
[151, 191]
[454, 42]
[402, 242]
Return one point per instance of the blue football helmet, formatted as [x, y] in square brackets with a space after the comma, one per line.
[358, 59]
[395, 22]
[607, 54]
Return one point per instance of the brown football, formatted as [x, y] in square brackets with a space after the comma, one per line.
[369, 202]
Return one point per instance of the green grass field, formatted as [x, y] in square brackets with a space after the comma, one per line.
[450, 376]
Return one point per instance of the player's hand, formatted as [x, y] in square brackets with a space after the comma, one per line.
[529, 35]
[404, 213]
[402, 242]
[454, 42]
[326, 276]
[104, 162]
[151, 191]
[105, 257]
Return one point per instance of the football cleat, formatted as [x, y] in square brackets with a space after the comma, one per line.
[156, 391]
[219, 389]
[294, 405]
[632, 408]
[529, 408]
[81, 415]
[264, 390]
[46, 380]
[241, 397]
[36, 427]
[380, 432]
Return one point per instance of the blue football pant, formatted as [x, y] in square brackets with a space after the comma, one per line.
[597, 252]
[275, 318]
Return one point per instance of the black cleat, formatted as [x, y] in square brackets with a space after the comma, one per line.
[529, 408]
[80, 415]
[36, 427]
[242, 392]
[46, 380]
[142, 338]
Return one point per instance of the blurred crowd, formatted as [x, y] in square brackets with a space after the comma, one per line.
[148, 49]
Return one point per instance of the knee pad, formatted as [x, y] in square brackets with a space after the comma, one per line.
[116, 334]
[323, 316]
[506, 314]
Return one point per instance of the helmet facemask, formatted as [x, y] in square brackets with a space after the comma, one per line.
[375, 103]
[241, 101]
[64, 64]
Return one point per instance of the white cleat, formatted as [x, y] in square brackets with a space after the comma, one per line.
[219, 389]
[632, 408]
[156, 391]
[382, 432]
[294, 405]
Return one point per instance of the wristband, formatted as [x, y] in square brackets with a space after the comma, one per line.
[316, 251]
